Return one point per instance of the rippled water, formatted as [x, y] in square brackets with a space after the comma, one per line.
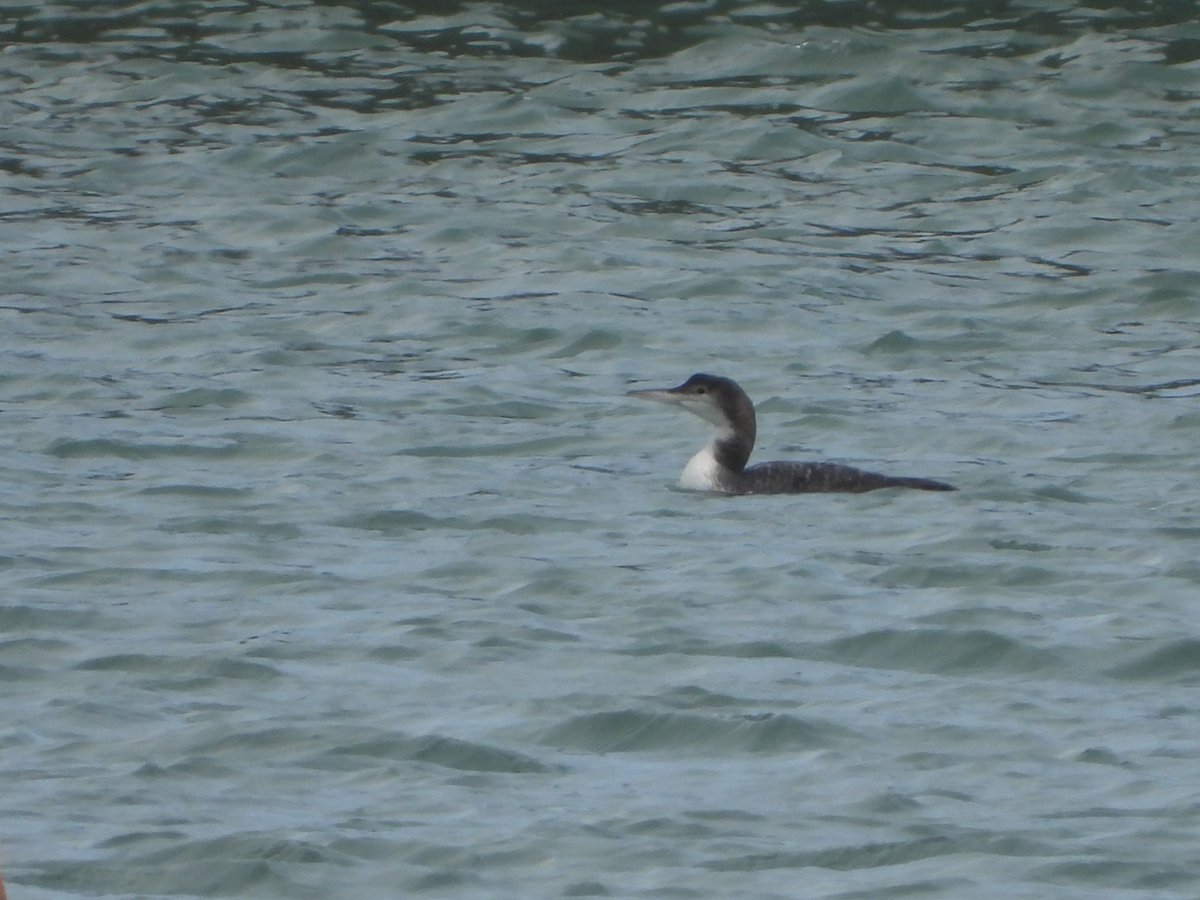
[337, 563]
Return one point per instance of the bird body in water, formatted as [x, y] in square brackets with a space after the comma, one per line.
[721, 466]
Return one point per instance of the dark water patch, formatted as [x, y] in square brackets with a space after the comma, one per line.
[249, 862]
[507, 409]
[921, 887]
[238, 669]
[1021, 545]
[689, 646]
[26, 659]
[398, 521]
[594, 340]
[1173, 661]
[473, 757]
[237, 577]
[929, 576]
[462, 570]
[925, 761]
[590, 35]
[890, 853]
[393, 653]
[939, 651]
[533, 447]
[865, 856]
[18, 618]
[184, 873]
[889, 95]
[140, 838]
[178, 318]
[232, 525]
[1100, 756]
[1186, 811]
[33, 647]
[1128, 874]
[98, 448]
[508, 339]
[893, 342]
[890, 803]
[1062, 494]
[695, 697]
[1187, 533]
[963, 618]
[732, 816]
[337, 410]
[597, 32]
[1188, 571]
[401, 521]
[666, 828]
[448, 752]
[201, 491]
[208, 767]
[527, 635]
[182, 672]
[104, 713]
[663, 208]
[637, 731]
[124, 662]
[13, 673]
[440, 883]
[1181, 50]
[1157, 390]
[199, 398]
[587, 889]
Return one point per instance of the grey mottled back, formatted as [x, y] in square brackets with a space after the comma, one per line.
[819, 477]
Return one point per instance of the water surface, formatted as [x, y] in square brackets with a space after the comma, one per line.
[339, 565]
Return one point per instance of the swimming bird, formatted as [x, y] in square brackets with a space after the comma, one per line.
[721, 466]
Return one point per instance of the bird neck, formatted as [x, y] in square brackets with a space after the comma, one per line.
[731, 450]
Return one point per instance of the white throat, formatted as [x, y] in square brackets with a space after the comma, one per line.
[703, 472]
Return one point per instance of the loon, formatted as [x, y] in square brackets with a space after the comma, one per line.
[721, 466]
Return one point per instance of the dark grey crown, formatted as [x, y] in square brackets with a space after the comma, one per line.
[732, 411]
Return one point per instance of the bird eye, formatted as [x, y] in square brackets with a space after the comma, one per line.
[701, 390]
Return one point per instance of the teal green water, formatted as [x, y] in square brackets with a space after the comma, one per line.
[338, 564]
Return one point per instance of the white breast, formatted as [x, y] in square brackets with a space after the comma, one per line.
[700, 474]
